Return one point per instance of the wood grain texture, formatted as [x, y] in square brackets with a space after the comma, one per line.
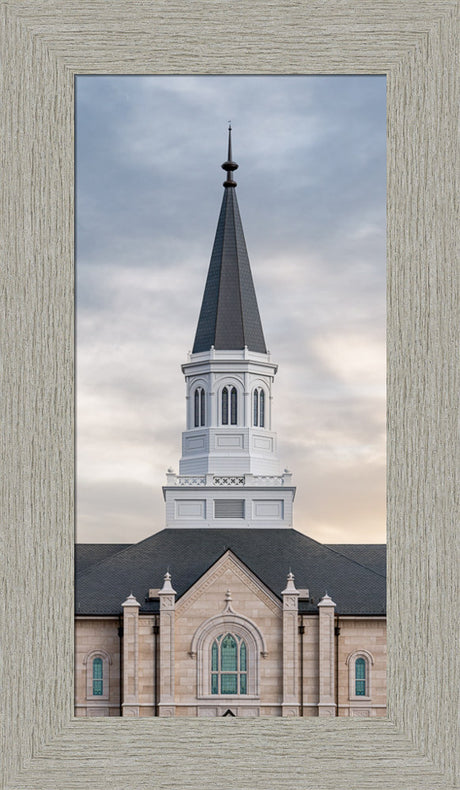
[43, 44]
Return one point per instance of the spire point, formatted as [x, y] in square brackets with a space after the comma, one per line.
[229, 165]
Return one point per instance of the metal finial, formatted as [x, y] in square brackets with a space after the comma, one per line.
[229, 155]
[229, 165]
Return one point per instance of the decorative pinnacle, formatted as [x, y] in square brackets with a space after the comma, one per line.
[167, 586]
[290, 587]
[229, 165]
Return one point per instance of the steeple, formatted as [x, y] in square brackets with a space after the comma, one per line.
[229, 317]
[229, 471]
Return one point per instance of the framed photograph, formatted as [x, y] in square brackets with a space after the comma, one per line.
[46, 44]
[284, 393]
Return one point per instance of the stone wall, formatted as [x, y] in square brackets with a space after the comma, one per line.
[368, 635]
[97, 637]
[248, 599]
[206, 599]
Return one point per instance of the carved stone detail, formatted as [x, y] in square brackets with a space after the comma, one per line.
[228, 562]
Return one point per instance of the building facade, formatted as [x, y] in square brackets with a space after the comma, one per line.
[252, 618]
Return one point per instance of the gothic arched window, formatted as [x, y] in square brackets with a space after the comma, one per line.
[262, 409]
[225, 406]
[259, 408]
[202, 407]
[229, 669]
[360, 664]
[233, 406]
[199, 407]
[97, 665]
[98, 677]
[360, 677]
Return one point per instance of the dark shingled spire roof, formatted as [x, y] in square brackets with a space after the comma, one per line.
[229, 317]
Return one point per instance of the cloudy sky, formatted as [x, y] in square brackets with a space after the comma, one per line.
[311, 191]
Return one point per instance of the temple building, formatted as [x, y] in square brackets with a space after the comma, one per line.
[228, 610]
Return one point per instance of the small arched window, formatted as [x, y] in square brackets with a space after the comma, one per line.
[225, 406]
[199, 407]
[259, 408]
[360, 677]
[229, 670]
[360, 664]
[262, 409]
[97, 666]
[233, 406]
[98, 677]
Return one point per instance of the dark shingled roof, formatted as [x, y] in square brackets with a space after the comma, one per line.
[87, 554]
[372, 555]
[268, 553]
[229, 317]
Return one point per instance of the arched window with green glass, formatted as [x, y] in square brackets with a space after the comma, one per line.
[229, 670]
[360, 677]
[98, 677]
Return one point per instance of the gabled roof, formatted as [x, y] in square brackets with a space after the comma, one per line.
[229, 317]
[269, 553]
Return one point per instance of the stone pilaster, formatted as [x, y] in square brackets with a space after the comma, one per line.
[167, 595]
[291, 703]
[326, 703]
[130, 705]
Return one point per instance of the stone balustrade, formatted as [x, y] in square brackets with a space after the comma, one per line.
[228, 481]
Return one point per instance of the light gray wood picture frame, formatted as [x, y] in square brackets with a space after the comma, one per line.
[44, 43]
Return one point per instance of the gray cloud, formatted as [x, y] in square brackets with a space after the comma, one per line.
[312, 197]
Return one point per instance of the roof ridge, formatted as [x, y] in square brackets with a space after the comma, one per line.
[234, 207]
[350, 559]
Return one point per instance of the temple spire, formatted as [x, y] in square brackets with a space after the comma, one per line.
[229, 317]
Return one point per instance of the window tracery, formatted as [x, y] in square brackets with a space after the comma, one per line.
[228, 648]
[229, 670]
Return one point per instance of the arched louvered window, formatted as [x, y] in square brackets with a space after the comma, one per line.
[234, 406]
[262, 409]
[229, 670]
[259, 408]
[98, 677]
[202, 407]
[199, 407]
[360, 677]
[225, 406]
